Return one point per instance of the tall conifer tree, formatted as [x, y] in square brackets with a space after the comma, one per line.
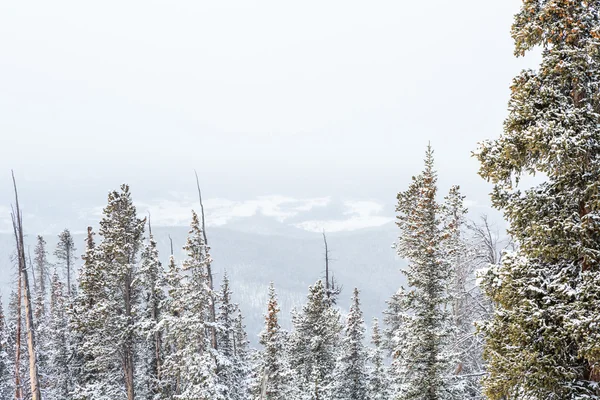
[543, 342]
[421, 357]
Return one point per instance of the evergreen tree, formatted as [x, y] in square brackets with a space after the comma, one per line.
[314, 344]
[172, 307]
[111, 285]
[40, 289]
[422, 340]
[242, 366]
[230, 382]
[86, 320]
[57, 347]
[191, 364]
[65, 254]
[6, 362]
[351, 378]
[464, 300]
[543, 341]
[152, 281]
[18, 346]
[379, 383]
[272, 377]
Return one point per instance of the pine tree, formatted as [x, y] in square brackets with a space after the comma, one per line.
[86, 321]
[464, 300]
[172, 307]
[379, 383]
[314, 344]
[242, 368]
[111, 284]
[543, 342]
[6, 363]
[351, 377]
[423, 337]
[272, 376]
[65, 254]
[57, 347]
[41, 318]
[191, 363]
[152, 281]
[226, 342]
[41, 270]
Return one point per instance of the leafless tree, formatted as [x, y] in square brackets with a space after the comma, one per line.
[17, 222]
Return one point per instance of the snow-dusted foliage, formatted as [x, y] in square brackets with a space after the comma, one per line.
[65, 255]
[314, 345]
[379, 385]
[57, 345]
[273, 376]
[423, 355]
[109, 294]
[191, 365]
[351, 379]
[544, 342]
[6, 363]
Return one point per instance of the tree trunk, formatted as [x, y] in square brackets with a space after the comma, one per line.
[18, 230]
[213, 314]
[18, 388]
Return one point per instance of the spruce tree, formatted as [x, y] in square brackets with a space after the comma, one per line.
[6, 361]
[152, 281]
[110, 286]
[86, 319]
[422, 341]
[65, 254]
[272, 378]
[242, 367]
[191, 365]
[379, 383]
[314, 344]
[231, 379]
[543, 342]
[57, 347]
[351, 377]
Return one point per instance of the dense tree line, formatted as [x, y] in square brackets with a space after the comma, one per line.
[117, 324]
[132, 328]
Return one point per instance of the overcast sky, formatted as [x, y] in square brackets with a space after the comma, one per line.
[306, 100]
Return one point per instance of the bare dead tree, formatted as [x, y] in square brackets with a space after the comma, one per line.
[17, 222]
[171, 240]
[18, 387]
[213, 331]
[331, 289]
[326, 262]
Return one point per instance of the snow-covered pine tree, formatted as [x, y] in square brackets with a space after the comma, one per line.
[150, 313]
[57, 345]
[242, 367]
[351, 379]
[86, 320]
[379, 383]
[543, 342]
[172, 307]
[65, 254]
[314, 345]
[231, 375]
[272, 377]
[41, 316]
[122, 233]
[41, 271]
[191, 365]
[462, 255]
[6, 359]
[109, 287]
[422, 341]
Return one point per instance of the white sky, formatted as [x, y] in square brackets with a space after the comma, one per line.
[306, 99]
